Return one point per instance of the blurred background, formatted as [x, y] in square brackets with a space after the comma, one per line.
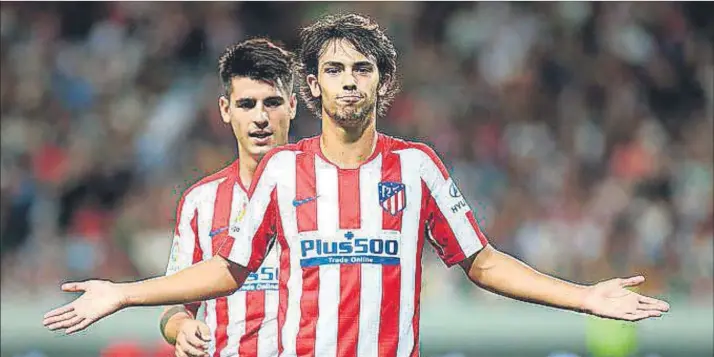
[581, 133]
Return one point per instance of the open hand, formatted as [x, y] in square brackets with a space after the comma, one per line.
[100, 299]
[611, 299]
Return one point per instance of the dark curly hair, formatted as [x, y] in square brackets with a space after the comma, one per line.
[366, 36]
[258, 59]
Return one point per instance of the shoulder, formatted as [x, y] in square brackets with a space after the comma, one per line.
[427, 157]
[209, 181]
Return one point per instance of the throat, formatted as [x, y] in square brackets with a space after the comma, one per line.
[347, 150]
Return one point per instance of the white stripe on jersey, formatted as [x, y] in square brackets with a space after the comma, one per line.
[328, 224]
[411, 178]
[464, 233]
[236, 302]
[286, 194]
[371, 274]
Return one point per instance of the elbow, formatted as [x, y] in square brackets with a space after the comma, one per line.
[483, 264]
[231, 277]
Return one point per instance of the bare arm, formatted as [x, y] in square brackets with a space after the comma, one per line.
[505, 275]
[206, 280]
[500, 273]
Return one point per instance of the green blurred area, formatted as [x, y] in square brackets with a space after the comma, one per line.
[498, 329]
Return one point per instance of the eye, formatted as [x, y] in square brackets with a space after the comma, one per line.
[273, 102]
[332, 70]
[245, 103]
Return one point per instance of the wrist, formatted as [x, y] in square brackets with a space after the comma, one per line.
[582, 304]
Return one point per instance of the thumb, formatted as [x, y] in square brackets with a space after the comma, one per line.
[633, 281]
[73, 287]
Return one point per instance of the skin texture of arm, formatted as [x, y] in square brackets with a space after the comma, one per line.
[206, 280]
[502, 274]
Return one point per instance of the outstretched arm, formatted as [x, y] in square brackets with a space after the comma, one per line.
[452, 229]
[206, 280]
[505, 275]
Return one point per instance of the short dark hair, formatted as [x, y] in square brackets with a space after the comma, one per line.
[366, 36]
[257, 59]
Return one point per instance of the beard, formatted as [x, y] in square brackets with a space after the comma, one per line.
[352, 117]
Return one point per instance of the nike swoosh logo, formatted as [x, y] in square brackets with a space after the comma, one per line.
[297, 202]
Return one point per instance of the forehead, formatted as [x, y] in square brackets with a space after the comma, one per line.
[342, 51]
[244, 87]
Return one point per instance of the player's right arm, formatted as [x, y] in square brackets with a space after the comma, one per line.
[206, 280]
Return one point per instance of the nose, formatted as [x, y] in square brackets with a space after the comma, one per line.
[348, 82]
[261, 119]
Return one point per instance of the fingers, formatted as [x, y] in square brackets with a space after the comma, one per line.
[66, 323]
[195, 341]
[189, 349]
[652, 303]
[633, 281]
[59, 311]
[641, 315]
[178, 351]
[74, 287]
[53, 321]
[80, 326]
[203, 332]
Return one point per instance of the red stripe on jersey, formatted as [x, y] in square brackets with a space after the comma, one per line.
[442, 236]
[219, 243]
[423, 216]
[283, 294]
[391, 172]
[477, 229]
[197, 253]
[306, 214]
[309, 311]
[265, 232]
[283, 277]
[350, 278]
[254, 315]
[391, 274]
[305, 192]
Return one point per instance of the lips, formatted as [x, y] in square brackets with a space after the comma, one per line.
[261, 137]
[260, 134]
[350, 98]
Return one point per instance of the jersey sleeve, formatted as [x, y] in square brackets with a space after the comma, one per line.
[185, 248]
[260, 225]
[450, 224]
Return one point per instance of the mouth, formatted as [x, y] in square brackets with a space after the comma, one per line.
[261, 137]
[350, 98]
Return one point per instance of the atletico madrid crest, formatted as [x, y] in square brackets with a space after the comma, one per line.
[392, 197]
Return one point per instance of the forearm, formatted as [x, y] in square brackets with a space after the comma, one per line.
[505, 275]
[171, 320]
[204, 281]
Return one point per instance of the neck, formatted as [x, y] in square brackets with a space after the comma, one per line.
[347, 148]
[246, 167]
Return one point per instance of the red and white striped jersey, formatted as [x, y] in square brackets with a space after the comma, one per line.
[351, 244]
[245, 323]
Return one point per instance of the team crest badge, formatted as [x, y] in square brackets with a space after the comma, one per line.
[392, 197]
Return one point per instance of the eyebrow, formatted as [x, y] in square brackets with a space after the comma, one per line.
[340, 64]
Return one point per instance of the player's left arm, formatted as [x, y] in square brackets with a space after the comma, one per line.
[458, 239]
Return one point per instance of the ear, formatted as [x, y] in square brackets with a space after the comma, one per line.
[293, 106]
[224, 105]
[314, 86]
[384, 85]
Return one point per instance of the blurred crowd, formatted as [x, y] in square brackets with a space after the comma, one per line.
[581, 133]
